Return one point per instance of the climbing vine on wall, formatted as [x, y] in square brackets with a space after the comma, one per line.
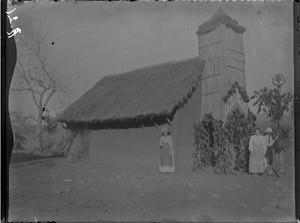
[232, 90]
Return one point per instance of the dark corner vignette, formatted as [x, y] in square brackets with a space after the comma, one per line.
[3, 101]
[297, 102]
[8, 62]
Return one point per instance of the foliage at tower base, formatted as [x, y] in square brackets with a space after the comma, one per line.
[239, 128]
[227, 143]
[209, 136]
[275, 104]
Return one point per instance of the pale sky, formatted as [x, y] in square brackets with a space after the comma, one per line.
[93, 39]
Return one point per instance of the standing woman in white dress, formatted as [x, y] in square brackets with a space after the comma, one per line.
[166, 164]
[257, 148]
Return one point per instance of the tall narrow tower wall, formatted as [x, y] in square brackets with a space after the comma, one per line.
[222, 49]
[212, 51]
[235, 57]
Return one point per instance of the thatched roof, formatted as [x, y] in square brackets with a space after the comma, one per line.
[219, 18]
[143, 93]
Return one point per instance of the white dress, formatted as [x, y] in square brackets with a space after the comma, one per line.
[166, 163]
[258, 148]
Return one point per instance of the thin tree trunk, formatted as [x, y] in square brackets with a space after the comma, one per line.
[39, 136]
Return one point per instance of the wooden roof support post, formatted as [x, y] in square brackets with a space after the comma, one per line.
[168, 120]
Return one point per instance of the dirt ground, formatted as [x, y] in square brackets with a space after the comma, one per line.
[24, 157]
[115, 190]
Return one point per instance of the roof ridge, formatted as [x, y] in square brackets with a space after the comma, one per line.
[153, 66]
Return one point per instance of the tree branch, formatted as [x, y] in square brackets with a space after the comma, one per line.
[41, 83]
[27, 82]
[38, 57]
[48, 97]
[20, 89]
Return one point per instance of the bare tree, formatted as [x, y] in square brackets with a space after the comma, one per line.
[35, 77]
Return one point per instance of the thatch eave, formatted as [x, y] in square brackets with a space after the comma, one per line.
[127, 122]
[123, 123]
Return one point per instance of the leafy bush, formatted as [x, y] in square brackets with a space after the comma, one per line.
[225, 159]
[239, 129]
[228, 142]
[19, 119]
[209, 135]
[275, 104]
[202, 141]
[284, 135]
[222, 150]
[18, 141]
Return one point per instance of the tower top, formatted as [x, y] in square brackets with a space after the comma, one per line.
[219, 18]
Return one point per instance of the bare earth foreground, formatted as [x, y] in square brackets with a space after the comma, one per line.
[113, 190]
